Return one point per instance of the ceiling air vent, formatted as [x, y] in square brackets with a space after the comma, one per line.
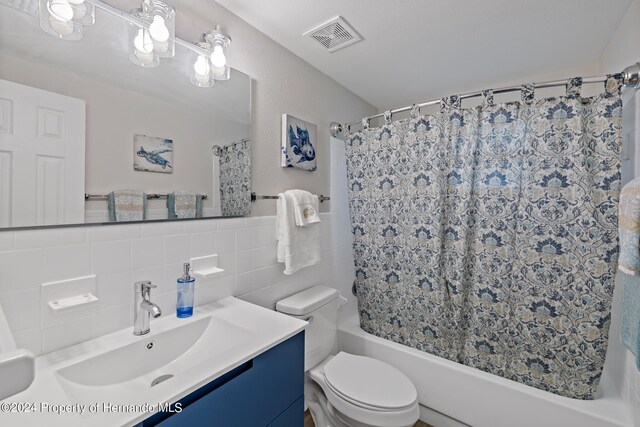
[334, 34]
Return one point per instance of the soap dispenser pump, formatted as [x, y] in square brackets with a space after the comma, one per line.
[186, 285]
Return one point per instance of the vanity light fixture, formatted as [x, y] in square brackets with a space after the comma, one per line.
[141, 46]
[162, 27]
[152, 35]
[64, 18]
[220, 43]
[200, 70]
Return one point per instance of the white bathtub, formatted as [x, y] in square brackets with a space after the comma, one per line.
[452, 394]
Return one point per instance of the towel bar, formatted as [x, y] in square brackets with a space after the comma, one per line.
[255, 197]
[149, 196]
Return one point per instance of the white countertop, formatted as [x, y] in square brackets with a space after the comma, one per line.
[37, 403]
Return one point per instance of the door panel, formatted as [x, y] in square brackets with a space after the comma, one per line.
[42, 151]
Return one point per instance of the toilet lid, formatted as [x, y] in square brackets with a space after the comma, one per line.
[369, 382]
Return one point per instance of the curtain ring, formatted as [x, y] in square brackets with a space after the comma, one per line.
[527, 93]
[574, 86]
[487, 98]
[450, 102]
[365, 123]
[415, 111]
[613, 84]
[387, 117]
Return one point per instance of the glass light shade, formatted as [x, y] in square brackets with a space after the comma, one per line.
[57, 18]
[162, 27]
[220, 44]
[84, 11]
[141, 47]
[200, 70]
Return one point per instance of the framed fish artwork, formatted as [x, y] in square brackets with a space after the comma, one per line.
[299, 139]
[151, 154]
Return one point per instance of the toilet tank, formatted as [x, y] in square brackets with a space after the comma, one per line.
[319, 306]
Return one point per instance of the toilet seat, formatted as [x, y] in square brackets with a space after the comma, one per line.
[369, 383]
[367, 390]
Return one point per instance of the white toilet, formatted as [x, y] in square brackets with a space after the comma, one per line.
[345, 389]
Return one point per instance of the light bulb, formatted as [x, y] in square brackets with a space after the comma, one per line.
[60, 10]
[142, 43]
[201, 66]
[203, 79]
[79, 10]
[76, 1]
[217, 57]
[63, 28]
[158, 29]
[161, 47]
[144, 57]
[218, 71]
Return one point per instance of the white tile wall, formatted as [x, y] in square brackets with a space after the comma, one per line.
[119, 255]
[339, 229]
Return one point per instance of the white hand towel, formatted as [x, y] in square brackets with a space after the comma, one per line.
[185, 204]
[298, 247]
[305, 207]
[127, 205]
[629, 228]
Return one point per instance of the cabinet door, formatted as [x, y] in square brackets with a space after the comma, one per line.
[254, 396]
[292, 417]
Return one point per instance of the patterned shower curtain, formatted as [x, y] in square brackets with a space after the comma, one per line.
[488, 236]
[235, 179]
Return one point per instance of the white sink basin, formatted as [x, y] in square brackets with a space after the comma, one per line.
[125, 382]
[130, 371]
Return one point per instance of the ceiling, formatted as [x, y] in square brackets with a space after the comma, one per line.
[415, 50]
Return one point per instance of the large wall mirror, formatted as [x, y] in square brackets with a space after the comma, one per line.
[79, 121]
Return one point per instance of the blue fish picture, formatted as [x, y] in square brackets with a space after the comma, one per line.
[151, 154]
[298, 147]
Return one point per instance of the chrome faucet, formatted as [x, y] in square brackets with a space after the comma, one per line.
[143, 308]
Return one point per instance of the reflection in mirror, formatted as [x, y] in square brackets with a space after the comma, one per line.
[79, 118]
[235, 177]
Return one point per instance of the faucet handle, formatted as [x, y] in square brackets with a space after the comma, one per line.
[144, 286]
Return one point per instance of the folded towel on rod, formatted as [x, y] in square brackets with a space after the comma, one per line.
[306, 207]
[127, 205]
[298, 247]
[629, 264]
[630, 323]
[184, 204]
[629, 228]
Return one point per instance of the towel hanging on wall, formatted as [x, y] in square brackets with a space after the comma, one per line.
[298, 246]
[629, 263]
[127, 205]
[184, 204]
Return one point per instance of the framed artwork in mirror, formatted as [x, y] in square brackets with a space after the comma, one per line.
[152, 154]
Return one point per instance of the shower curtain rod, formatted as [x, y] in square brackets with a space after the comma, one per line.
[217, 150]
[630, 78]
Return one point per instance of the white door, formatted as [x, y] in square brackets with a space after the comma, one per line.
[42, 137]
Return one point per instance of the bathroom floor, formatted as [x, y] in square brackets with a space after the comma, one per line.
[308, 421]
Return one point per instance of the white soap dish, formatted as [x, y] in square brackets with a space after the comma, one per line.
[206, 267]
[70, 302]
[207, 273]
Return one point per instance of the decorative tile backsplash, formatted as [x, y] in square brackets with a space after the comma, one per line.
[119, 255]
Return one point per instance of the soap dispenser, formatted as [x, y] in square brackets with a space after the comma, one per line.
[186, 284]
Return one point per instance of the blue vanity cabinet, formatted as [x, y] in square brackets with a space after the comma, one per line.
[265, 391]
